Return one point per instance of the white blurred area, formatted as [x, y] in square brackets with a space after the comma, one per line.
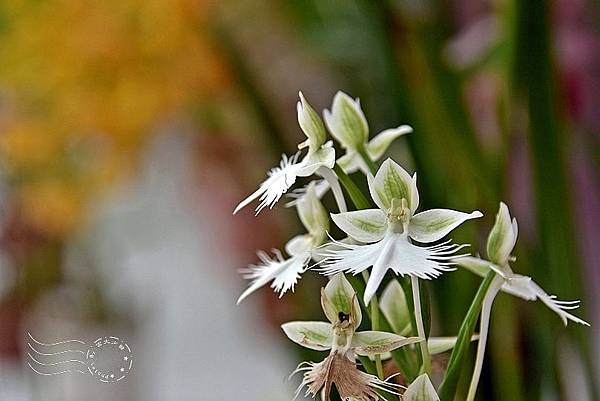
[170, 286]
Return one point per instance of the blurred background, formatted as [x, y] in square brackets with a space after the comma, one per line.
[129, 130]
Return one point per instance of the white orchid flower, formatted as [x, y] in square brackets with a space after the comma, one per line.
[388, 232]
[375, 149]
[339, 336]
[283, 273]
[281, 178]
[348, 125]
[500, 244]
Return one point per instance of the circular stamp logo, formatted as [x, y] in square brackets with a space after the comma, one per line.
[109, 359]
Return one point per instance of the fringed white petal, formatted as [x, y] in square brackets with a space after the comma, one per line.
[524, 287]
[284, 273]
[348, 258]
[394, 252]
[279, 180]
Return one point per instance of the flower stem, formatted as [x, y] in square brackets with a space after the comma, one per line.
[332, 179]
[426, 367]
[486, 309]
[375, 325]
[356, 195]
[447, 389]
[367, 160]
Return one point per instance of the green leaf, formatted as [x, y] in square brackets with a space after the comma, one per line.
[448, 386]
[378, 342]
[346, 122]
[421, 390]
[313, 335]
[357, 197]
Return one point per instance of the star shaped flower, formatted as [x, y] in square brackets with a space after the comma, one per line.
[387, 233]
[281, 178]
[339, 336]
[500, 244]
[284, 273]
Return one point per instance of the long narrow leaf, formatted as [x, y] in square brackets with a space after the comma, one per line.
[448, 388]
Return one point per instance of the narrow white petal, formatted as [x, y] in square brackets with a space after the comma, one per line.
[279, 180]
[480, 266]
[377, 274]
[559, 307]
[283, 272]
[520, 286]
[432, 225]
[382, 141]
[367, 225]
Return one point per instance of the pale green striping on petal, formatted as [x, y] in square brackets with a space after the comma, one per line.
[421, 390]
[311, 124]
[341, 295]
[363, 225]
[378, 342]
[432, 225]
[313, 335]
[393, 182]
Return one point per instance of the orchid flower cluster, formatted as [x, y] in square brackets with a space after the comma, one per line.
[384, 233]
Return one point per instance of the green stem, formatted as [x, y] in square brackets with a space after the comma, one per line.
[375, 325]
[367, 160]
[448, 387]
[359, 200]
[484, 325]
[426, 365]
